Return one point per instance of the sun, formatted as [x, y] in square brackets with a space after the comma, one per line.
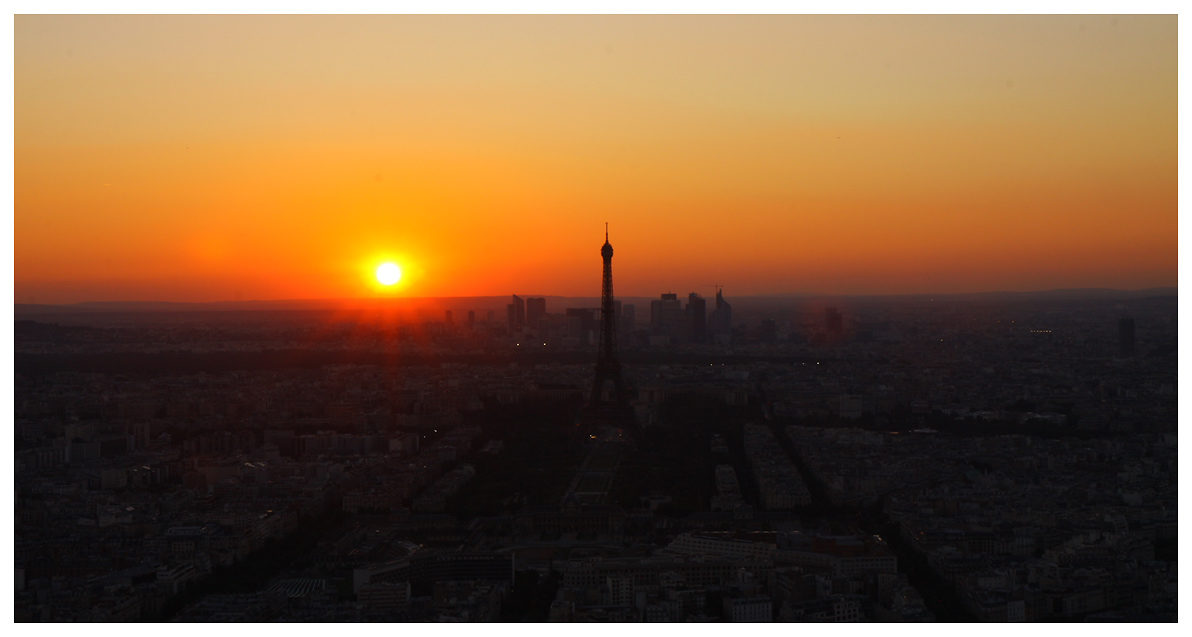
[388, 273]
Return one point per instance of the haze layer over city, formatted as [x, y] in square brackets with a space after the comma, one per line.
[595, 319]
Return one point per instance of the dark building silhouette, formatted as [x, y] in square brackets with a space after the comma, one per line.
[722, 319]
[665, 312]
[516, 313]
[471, 318]
[450, 318]
[1126, 337]
[535, 309]
[697, 315]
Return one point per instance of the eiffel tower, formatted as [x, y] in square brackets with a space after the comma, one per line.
[608, 408]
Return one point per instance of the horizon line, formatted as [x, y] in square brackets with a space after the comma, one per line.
[1162, 290]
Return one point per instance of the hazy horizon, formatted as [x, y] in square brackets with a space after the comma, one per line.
[500, 300]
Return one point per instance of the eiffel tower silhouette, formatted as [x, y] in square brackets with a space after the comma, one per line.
[605, 407]
[608, 367]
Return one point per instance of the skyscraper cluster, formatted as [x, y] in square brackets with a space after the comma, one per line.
[523, 314]
[672, 322]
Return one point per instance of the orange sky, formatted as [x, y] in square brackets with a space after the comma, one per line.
[183, 158]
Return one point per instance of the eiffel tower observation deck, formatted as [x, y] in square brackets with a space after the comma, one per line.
[608, 402]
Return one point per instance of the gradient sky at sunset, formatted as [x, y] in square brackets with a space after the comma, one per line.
[184, 158]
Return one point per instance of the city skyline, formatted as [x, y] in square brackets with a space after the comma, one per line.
[773, 155]
[307, 325]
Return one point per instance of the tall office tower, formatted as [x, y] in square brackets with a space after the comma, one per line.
[511, 317]
[1126, 337]
[520, 306]
[722, 319]
[471, 318]
[833, 320]
[628, 319]
[492, 316]
[697, 315]
[666, 313]
[535, 309]
[608, 366]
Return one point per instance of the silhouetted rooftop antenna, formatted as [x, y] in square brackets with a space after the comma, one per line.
[606, 232]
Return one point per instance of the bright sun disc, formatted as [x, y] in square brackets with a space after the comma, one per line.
[388, 274]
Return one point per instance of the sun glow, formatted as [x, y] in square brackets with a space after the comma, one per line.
[481, 155]
[388, 273]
